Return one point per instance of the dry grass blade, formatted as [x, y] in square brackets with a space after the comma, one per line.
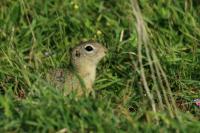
[156, 71]
[142, 39]
[162, 73]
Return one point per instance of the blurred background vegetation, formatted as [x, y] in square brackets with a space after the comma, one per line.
[147, 83]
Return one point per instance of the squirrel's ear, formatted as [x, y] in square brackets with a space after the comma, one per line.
[77, 53]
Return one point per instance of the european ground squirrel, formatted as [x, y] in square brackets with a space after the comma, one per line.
[81, 73]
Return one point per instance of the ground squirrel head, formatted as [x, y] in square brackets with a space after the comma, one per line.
[87, 53]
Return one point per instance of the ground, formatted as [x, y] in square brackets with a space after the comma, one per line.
[147, 83]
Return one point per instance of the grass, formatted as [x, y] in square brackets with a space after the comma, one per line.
[147, 83]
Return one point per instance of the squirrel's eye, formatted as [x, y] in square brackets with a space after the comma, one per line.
[89, 48]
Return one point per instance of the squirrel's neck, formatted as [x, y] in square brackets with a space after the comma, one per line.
[87, 72]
